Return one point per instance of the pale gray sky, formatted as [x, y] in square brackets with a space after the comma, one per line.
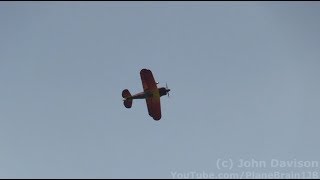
[244, 80]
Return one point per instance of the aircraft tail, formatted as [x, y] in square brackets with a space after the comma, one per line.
[127, 102]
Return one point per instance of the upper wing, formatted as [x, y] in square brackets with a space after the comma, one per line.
[147, 79]
[153, 102]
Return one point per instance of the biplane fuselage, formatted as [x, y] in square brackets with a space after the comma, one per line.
[143, 95]
[151, 93]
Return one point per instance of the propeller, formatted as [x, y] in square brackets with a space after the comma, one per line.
[167, 90]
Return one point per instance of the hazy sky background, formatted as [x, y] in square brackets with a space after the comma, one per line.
[244, 80]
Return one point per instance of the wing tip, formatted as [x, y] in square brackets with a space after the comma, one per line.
[156, 118]
[144, 70]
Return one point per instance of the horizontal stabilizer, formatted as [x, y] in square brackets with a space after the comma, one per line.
[127, 103]
[126, 93]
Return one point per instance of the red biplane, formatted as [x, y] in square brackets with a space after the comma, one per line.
[150, 92]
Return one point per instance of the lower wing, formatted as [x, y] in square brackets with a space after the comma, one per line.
[154, 108]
